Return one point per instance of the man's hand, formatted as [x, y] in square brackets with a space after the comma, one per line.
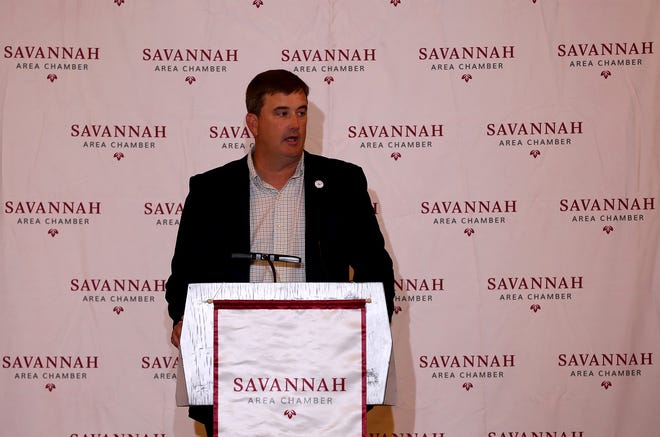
[176, 334]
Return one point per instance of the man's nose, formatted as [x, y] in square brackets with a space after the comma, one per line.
[294, 122]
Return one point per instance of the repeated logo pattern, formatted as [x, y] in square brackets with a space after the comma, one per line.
[443, 117]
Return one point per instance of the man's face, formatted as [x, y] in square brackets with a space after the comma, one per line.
[280, 128]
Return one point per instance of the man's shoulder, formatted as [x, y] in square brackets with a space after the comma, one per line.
[326, 164]
[230, 170]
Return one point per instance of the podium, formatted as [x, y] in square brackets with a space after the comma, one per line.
[238, 359]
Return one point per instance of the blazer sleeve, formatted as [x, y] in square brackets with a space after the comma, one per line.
[214, 223]
[367, 256]
[176, 288]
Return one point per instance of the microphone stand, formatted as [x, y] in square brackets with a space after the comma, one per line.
[269, 257]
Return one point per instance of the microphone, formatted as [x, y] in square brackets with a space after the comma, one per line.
[255, 256]
[270, 257]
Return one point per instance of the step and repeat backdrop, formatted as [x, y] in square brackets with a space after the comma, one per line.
[511, 148]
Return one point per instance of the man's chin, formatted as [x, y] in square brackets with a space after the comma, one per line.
[293, 149]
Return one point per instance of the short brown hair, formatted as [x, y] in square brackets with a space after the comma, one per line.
[271, 82]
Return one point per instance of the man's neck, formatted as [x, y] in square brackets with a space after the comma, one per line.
[276, 174]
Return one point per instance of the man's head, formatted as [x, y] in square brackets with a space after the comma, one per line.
[271, 82]
[277, 118]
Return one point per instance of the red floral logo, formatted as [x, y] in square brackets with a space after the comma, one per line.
[606, 384]
[606, 73]
[608, 229]
[119, 2]
[535, 307]
[329, 79]
[190, 79]
[52, 77]
[118, 309]
[258, 3]
[467, 386]
[397, 309]
[535, 153]
[466, 77]
[395, 156]
[52, 232]
[118, 156]
[50, 386]
[289, 413]
[469, 231]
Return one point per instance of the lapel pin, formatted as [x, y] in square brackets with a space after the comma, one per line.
[318, 183]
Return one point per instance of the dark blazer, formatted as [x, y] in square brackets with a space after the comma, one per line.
[341, 230]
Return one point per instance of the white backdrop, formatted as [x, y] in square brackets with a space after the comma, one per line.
[511, 148]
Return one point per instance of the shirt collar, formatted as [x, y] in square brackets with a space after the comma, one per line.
[300, 168]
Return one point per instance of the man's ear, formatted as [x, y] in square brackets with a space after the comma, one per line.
[252, 122]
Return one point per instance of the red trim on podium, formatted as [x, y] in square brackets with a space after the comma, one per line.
[363, 310]
[340, 304]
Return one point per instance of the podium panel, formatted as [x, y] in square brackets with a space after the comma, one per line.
[278, 372]
[197, 332]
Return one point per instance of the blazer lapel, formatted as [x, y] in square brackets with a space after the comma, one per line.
[314, 200]
[236, 199]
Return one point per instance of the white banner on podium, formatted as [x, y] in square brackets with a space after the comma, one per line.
[290, 368]
[196, 386]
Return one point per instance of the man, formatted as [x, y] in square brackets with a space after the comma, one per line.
[277, 199]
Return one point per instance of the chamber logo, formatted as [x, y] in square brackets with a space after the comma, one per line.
[605, 56]
[608, 212]
[607, 368]
[535, 136]
[54, 369]
[468, 213]
[290, 391]
[467, 368]
[396, 140]
[119, 139]
[117, 291]
[466, 61]
[51, 58]
[328, 61]
[192, 62]
[536, 290]
[53, 214]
